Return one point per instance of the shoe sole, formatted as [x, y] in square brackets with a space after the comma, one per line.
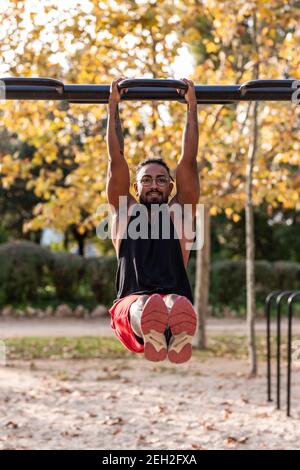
[154, 321]
[183, 324]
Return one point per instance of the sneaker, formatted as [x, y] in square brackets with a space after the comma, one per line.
[154, 321]
[183, 324]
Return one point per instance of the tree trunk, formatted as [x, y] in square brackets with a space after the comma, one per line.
[66, 240]
[79, 239]
[250, 248]
[250, 241]
[202, 281]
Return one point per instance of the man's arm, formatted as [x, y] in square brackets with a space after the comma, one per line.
[118, 177]
[115, 137]
[187, 179]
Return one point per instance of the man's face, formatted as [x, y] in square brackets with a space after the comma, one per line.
[153, 185]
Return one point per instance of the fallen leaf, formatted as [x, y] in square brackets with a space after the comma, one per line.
[11, 425]
[209, 426]
[160, 409]
[230, 440]
[226, 413]
[70, 434]
[117, 431]
[242, 440]
[196, 446]
[113, 421]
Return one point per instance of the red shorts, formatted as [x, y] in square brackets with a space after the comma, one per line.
[120, 322]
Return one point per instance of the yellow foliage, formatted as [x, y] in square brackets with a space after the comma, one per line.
[236, 217]
[114, 40]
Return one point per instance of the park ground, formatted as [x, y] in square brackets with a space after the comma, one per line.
[87, 392]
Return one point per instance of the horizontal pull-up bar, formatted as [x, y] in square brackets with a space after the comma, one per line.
[146, 89]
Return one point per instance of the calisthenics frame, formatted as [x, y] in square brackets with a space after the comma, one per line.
[23, 88]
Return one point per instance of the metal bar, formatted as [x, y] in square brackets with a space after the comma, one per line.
[35, 82]
[268, 301]
[290, 302]
[279, 299]
[23, 88]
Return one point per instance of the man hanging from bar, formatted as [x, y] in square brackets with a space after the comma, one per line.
[153, 312]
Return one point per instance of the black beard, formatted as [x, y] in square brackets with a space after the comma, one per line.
[148, 204]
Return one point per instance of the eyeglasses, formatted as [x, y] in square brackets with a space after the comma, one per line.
[160, 180]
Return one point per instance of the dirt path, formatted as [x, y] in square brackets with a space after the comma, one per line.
[134, 404]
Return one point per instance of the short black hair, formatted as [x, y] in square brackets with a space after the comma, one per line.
[157, 160]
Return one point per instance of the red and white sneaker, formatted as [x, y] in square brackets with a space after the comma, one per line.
[183, 324]
[154, 321]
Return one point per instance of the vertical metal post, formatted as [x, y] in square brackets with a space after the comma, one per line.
[268, 303]
[279, 299]
[290, 302]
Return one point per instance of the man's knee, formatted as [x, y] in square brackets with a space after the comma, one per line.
[139, 303]
[135, 313]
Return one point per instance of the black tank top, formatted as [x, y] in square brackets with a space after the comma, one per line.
[149, 265]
